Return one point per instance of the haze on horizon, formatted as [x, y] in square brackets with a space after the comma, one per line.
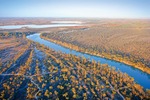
[75, 8]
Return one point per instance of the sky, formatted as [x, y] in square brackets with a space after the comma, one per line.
[76, 8]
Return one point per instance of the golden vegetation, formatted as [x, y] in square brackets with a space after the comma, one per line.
[92, 80]
[11, 49]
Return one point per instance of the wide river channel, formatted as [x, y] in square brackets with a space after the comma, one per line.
[139, 76]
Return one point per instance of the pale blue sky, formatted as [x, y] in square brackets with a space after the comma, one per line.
[75, 8]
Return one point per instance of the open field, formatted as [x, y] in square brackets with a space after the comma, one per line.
[127, 41]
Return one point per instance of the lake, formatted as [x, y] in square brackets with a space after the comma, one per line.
[39, 26]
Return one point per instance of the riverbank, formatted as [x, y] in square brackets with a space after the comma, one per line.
[104, 55]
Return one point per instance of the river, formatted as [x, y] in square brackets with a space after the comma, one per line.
[139, 76]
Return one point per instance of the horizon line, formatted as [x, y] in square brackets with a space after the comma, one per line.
[80, 17]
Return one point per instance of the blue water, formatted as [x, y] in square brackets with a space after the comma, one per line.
[37, 26]
[139, 76]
